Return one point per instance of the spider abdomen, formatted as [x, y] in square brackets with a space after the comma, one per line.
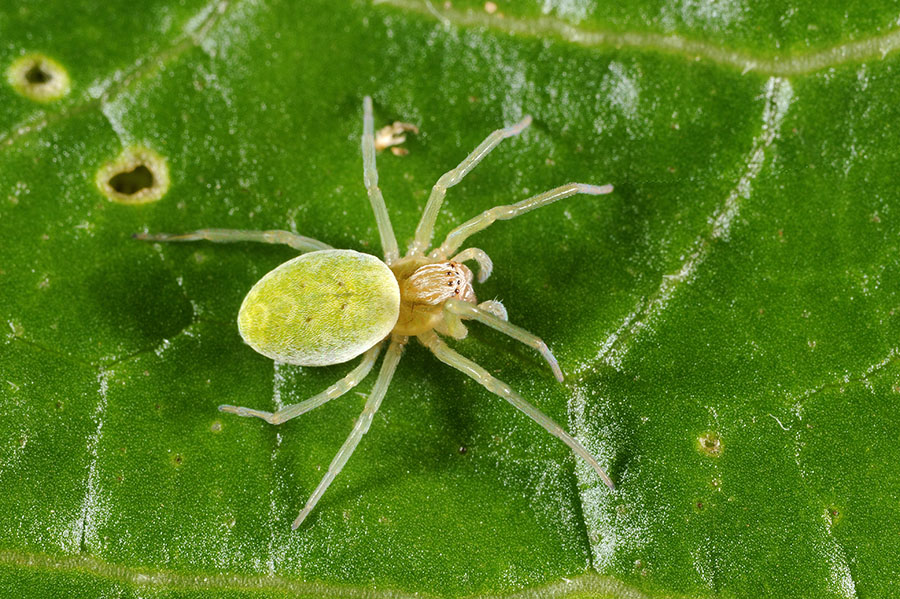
[321, 308]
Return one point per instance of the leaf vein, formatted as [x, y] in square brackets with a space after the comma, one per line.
[778, 96]
[874, 47]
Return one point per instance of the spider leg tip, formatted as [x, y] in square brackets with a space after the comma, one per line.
[300, 518]
[595, 189]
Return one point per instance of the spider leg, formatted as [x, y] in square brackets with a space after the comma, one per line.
[425, 230]
[298, 242]
[347, 383]
[498, 387]
[470, 311]
[370, 177]
[496, 308]
[485, 265]
[457, 236]
[391, 358]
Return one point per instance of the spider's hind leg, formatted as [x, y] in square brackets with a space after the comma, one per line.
[388, 366]
[341, 387]
[370, 178]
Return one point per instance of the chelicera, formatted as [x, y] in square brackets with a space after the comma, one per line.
[328, 306]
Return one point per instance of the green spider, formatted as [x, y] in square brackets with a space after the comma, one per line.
[328, 306]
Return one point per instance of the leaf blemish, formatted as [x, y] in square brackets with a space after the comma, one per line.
[38, 78]
[710, 444]
[137, 176]
[833, 515]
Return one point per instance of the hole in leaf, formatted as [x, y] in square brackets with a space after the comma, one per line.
[710, 443]
[38, 78]
[132, 182]
[37, 75]
[137, 176]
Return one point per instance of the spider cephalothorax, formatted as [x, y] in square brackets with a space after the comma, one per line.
[328, 306]
[424, 289]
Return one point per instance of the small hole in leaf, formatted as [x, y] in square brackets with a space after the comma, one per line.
[37, 75]
[138, 176]
[38, 78]
[132, 182]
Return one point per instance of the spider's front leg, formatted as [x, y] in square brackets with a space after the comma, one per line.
[484, 316]
[425, 230]
[446, 355]
[485, 264]
[458, 236]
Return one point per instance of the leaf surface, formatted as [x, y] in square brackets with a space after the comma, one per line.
[726, 318]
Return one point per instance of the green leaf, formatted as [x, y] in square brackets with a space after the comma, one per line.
[727, 319]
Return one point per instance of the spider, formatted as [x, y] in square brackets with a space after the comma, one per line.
[328, 306]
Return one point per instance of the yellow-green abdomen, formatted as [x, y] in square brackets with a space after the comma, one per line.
[321, 308]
